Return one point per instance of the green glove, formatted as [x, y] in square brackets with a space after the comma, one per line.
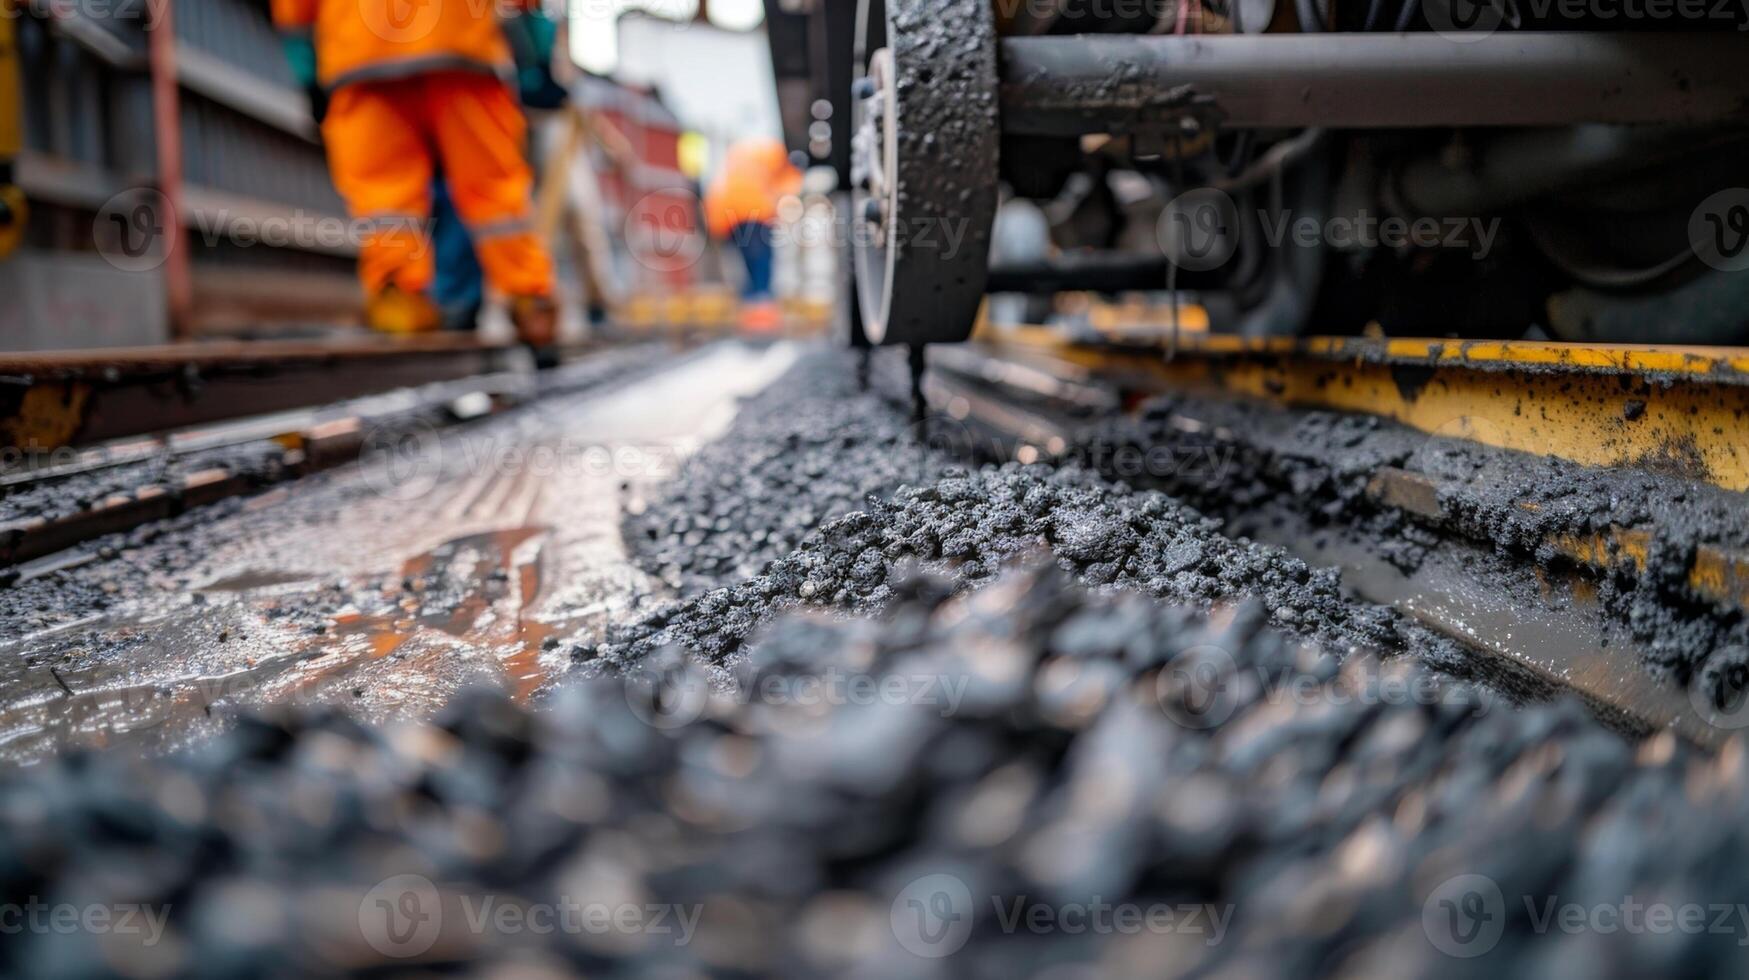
[531, 36]
[300, 51]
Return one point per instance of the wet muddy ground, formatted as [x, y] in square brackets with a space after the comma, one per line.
[812, 699]
[450, 556]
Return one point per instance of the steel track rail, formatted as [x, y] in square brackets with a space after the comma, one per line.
[49, 401]
[428, 381]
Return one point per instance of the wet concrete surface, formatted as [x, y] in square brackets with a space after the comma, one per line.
[448, 557]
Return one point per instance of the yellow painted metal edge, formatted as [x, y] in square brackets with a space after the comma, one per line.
[1677, 411]
[1720, 364]
[1719, 574]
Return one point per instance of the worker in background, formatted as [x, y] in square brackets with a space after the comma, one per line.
[412, 90]
[12, 206]
[741, 206]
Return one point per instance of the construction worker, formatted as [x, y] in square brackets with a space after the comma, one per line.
[12, 207]
[414, 87]
[741, 205]
[459, 288]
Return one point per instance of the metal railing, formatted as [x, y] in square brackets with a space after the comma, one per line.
[250, 159]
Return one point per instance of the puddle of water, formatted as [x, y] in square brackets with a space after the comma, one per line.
[477, 570]
[480, 590]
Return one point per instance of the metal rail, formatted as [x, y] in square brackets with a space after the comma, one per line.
[1679, 408]
[81, 397]
[1105, 272]
[1074, 86]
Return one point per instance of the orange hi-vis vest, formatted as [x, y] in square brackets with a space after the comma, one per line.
[755, 175]
[378, 40]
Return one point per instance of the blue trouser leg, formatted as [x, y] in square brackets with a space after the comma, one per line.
[459, 288]
[753, 239]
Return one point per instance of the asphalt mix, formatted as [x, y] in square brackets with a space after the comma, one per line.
[878, 711]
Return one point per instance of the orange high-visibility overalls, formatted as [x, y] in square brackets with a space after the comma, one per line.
[415, 85]
[12, 203]
[755, 175]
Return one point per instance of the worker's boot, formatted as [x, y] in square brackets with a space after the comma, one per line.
[536, 319]
[13, 209]
[394, 310]
[762, 317]
[462, 318]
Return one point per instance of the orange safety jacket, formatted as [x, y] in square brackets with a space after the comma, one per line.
[11, 87]
[379, 40]
[756, 174]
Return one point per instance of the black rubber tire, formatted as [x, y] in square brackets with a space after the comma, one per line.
[921, 265]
